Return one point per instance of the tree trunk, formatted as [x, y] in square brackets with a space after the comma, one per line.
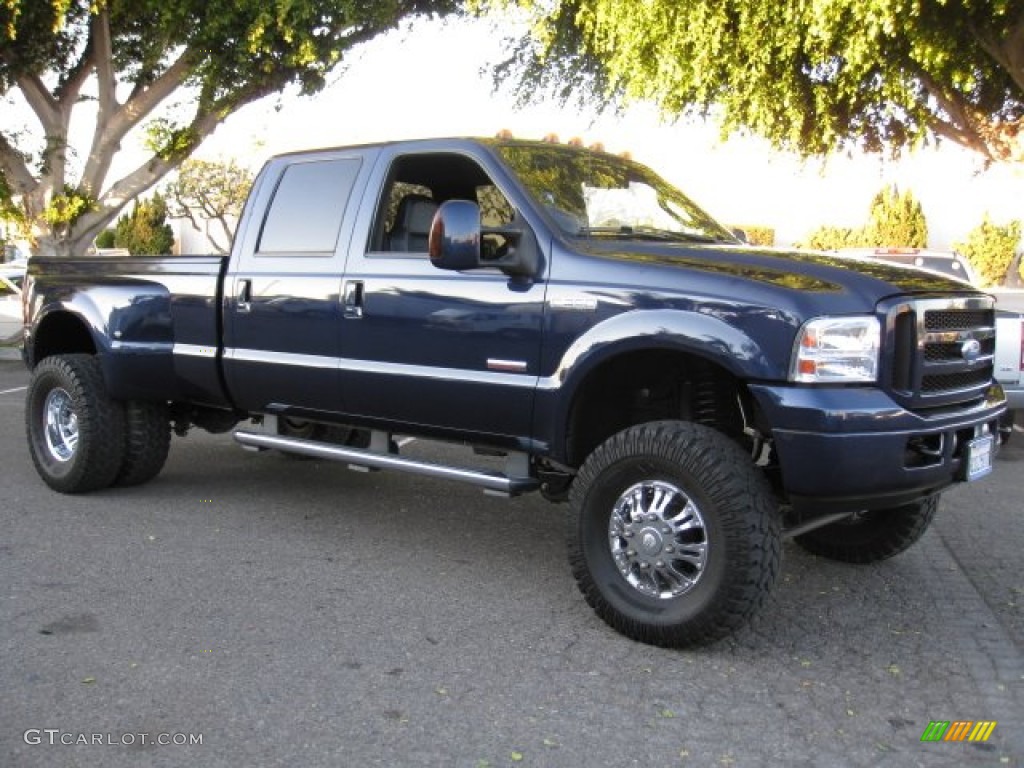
[1013, 278]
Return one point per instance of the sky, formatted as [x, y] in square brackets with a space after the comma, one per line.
[433, 79]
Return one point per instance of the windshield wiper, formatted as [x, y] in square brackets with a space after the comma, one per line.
[642, 232]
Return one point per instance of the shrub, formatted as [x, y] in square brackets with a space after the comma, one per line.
[757, 235]
[896, 219]
[828, 238]
[105, 239]
[145, 230]
[991, 249]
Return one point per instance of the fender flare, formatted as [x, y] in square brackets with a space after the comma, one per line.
[701, 335]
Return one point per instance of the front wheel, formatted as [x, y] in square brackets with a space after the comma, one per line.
[75, 431]
[868, 537]
[674, 535]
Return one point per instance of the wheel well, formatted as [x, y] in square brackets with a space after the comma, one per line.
[650, 385]
[61, 333]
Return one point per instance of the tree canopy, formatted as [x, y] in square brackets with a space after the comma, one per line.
[126, 59]
[812, 75]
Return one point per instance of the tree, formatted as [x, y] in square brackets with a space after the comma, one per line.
[758, 234]
[145, 231]
[127, 58]
[812, 77]
[106, 238]
[831, 238]
[896, 220]
[212, 193]
[991, 249]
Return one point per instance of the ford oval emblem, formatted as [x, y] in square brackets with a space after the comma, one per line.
[971, 350]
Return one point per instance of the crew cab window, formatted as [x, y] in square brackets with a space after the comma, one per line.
[305, 215]
[416, 187]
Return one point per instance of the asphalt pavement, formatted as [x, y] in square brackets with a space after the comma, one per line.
[294, 613]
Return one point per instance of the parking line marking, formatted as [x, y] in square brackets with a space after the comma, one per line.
[11, 391]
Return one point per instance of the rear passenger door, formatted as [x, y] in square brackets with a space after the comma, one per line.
[282, 293]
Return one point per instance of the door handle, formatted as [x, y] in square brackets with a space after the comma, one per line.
[352, 299]
[243, 296]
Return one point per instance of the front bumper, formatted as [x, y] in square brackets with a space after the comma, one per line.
[853, 449]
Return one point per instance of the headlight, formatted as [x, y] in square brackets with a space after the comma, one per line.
[836, 350]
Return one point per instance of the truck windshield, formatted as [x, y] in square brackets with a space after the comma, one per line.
[594, 195]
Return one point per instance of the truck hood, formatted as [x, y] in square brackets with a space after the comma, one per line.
[803, 271]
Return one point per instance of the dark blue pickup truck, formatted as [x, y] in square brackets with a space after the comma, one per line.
[693, 398]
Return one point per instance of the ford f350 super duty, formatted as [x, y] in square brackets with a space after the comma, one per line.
[693, 398]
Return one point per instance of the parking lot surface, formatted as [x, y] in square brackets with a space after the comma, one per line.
[293, 613]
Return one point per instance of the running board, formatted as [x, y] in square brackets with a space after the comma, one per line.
[510, 484]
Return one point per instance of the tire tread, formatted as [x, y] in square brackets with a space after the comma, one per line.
[885, 534]
[147, 442]
[733, 484]
[101, 421]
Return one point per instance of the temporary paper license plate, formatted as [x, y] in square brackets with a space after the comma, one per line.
[978, 456]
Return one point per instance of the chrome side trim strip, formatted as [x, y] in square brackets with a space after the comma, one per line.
[442, 374]
[280, 358]
[380, 368]
[513, 366]
[194, 350]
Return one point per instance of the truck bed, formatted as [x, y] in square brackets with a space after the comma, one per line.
[155, 321]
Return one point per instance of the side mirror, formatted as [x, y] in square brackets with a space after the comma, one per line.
[454, 241]
[458, 242]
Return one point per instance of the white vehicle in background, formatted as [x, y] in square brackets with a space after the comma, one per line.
[1009, 364]
[948, 263]
[11, 279]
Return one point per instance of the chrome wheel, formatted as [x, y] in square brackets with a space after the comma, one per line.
[61, 428]
[658, 539]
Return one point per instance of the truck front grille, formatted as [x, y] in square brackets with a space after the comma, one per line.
[956, 320]
[942, 350]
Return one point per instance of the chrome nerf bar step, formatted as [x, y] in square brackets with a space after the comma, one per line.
[513, 482]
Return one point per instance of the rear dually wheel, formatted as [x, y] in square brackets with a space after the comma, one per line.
[76, 432]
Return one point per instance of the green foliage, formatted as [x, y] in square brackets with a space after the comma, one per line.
[829, 238]
[106, 239]
[896, 220]
[10, 212]
[65, 209]
[210, 195]
[177, 67]
[810, 76]
[757, 235]
[168, 140]
[145, 231]
[991, 249]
